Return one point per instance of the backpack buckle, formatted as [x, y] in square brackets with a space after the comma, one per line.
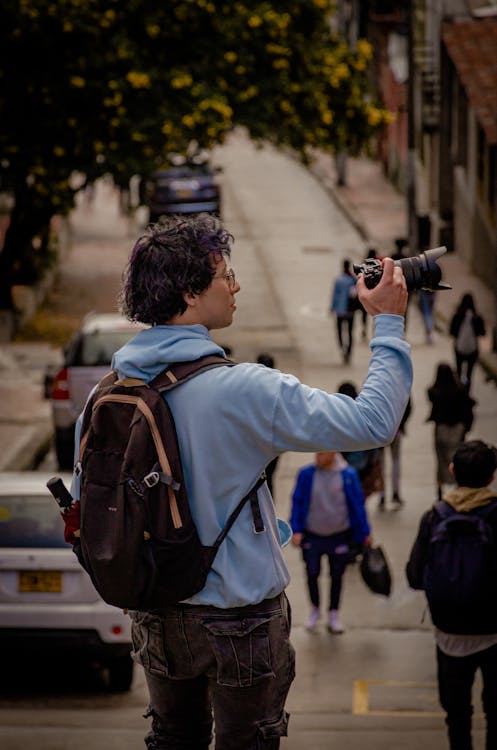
[152, 479]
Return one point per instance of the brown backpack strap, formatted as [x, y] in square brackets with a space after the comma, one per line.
[107, 380]
[180, 372]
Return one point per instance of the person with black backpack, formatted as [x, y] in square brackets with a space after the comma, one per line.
[221, 654]
[454, 561]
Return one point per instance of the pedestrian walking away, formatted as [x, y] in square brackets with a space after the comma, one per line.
[395, 460]
[459, 578]
[452, 414]
[343, 305]
[222, 660]
[368, 463]
[426, 303]
[466, 327]
[328, 515]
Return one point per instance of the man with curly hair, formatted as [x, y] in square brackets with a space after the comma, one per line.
[224, 657]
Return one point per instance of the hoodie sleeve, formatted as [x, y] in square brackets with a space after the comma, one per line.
[309, 419]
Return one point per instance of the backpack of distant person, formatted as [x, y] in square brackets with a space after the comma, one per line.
[466, 342]
[460, 575]
[137, 538]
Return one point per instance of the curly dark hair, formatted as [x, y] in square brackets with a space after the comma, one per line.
[173, 258]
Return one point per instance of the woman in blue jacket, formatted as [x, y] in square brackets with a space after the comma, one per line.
[328, 514]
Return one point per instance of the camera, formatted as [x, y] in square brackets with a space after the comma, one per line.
[420, 272]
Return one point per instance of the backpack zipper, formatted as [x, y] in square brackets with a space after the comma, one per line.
[159, 446]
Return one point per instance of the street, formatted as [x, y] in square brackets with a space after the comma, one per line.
[373, 686]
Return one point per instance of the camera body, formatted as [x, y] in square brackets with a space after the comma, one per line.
[420, 272]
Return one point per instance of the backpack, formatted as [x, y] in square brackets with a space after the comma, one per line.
[137, 539]
[460, 574]
[466, 342]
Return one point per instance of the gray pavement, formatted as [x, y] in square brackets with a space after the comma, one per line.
[373, 686]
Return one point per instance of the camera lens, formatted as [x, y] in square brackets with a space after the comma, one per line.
[420, 272]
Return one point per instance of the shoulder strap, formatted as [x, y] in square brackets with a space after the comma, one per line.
[180, 372]
[485, 511]
[108, 379]
[444, 509]
[256, 512]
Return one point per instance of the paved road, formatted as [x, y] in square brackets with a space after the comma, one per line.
[374, 685]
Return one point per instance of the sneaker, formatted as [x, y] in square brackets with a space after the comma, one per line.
[334, 624]
[396, 500]
[313, 618]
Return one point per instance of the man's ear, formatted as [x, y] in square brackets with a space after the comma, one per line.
[190, 299]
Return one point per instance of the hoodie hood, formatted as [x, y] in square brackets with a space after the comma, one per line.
[154, 349]
[465, 499]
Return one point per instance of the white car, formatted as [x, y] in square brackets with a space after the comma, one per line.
[47, 601]
[87, 359]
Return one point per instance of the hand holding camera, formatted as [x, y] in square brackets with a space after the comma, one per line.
[419, 272]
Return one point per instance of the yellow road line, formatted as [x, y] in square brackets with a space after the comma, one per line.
[360, 699]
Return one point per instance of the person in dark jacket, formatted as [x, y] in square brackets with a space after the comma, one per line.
[452, 414]
[466, 327]
[459, 656]
[328, 515]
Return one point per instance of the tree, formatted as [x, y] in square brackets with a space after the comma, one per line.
[102, 86]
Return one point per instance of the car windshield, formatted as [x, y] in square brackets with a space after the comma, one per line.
[187, 171]
[30, 521]
[97, 348]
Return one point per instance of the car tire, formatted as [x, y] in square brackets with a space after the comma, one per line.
[64, 449]
[120, 672]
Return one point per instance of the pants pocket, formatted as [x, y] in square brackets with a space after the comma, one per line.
[242, 650]
[269, 733]
[147, 636]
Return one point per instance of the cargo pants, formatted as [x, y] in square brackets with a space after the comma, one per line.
[205, 666]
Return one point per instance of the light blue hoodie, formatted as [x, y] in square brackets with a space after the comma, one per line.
[231, 421]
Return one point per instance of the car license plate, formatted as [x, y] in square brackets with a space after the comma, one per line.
[184, 193]
[46, 581]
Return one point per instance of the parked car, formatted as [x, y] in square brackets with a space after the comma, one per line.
[48, 603]
[87, 359]
[182, 189]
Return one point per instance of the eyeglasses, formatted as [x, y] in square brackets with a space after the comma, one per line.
[229, 277]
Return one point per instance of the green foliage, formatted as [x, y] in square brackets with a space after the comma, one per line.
[99, 86]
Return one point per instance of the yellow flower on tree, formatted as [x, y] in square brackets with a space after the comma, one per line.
[182, 81]
[364, 49]
[254, 21]
[188, 121]
[138, 80]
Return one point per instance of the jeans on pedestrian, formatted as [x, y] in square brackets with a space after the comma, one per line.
[464, 367]
[456, 675]
[345, 321]
[205, 666]
[337, 548]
